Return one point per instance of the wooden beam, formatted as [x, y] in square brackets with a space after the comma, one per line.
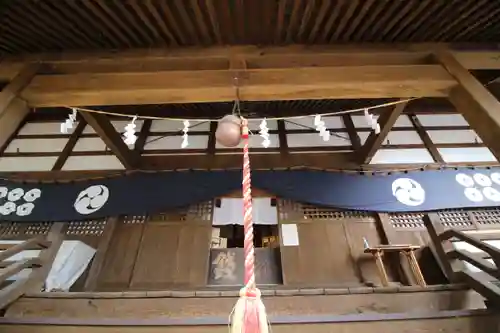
[13, 110]
[211, 138]
[474, 56]
[342, 161]
[282, 137]
[351, 131]
[15, 133]
[478, 106]
[103, 127]
[17, 85]
[143, 136]
[259, 161]
[70, 144]
[374, 141]
[422, 133]
[193, 86]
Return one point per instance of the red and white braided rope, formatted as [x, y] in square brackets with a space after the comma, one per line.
[247, 218]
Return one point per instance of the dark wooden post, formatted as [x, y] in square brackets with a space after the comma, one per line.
[440, 248]
[100, 255]
[389, 236]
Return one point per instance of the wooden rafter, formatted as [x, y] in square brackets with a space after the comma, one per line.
[478, 106]
[282, 137]
[211, 138]
[13, 110]
[374, 141]
[138, 23]
[70, 144]
[422, 133]
[143, 136]
[351, 131]
[103, 127]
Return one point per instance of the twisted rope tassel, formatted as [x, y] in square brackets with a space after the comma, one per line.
[249, 314]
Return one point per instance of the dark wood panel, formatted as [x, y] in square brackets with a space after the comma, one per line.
[322, 256]
[121, 257]
[172, 254]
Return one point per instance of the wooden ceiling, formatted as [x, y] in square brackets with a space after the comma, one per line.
[31, 26]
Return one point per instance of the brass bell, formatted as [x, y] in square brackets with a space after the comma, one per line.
[228, 131]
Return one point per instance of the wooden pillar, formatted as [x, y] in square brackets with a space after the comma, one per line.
[100, 255]
[479, 107]
[399, 267]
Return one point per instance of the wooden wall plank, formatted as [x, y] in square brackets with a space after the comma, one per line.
[121, 257]
[100, 255]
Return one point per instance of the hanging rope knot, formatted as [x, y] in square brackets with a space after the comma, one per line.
[252, 293]
[244, 128]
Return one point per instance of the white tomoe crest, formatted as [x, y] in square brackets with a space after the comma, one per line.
[91, 199]
[408, 191]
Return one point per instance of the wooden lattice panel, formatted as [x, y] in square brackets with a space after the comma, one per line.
[321, 213]
[487, 217]
[34, 229]
[202, 211]
[288, 209]
[456, 219]
[86, 228]
[10, 229]
[407, 220]
[134, 219]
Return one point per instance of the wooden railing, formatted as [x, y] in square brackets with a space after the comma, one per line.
[452, 261]
[40, 266]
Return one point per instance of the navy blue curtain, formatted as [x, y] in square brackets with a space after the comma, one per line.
[148, 193]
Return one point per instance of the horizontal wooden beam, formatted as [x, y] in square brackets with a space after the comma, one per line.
[259, 161]
[124, 88]
[473, 56]
[63, 176]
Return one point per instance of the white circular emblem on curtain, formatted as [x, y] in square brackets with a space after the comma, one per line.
[480, 186]
[408, 192]
[91, 199]
[18, 201]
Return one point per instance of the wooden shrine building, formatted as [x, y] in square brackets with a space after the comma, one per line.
[387, 219]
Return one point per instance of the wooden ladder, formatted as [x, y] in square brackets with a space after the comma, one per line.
[40, 266]
[487, 281]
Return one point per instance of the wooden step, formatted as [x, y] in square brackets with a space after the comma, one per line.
[478, 321]
[281, 302]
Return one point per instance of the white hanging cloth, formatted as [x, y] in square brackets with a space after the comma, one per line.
[231, 212]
